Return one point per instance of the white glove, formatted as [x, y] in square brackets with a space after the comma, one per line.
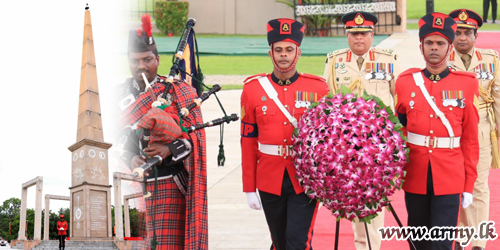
[253, 201]
[466, 199]
[61, 229]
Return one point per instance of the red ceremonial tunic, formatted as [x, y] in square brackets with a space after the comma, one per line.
[453, 170]
[263, 122]
[64, 225]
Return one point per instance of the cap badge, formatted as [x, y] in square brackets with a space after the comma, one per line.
[463, 16]
[439, 21]
[285, 27]
[359, 19]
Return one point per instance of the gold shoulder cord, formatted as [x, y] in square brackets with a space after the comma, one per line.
[495, 162]
[331, 79]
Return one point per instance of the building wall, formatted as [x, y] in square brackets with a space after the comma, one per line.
[236, 16]
[249, 16]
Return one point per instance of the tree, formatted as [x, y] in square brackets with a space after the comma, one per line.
[10, 212]
[137, 221]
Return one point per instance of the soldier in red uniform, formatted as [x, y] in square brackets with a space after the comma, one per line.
[438, 108]
[62, 227]
[270, 107]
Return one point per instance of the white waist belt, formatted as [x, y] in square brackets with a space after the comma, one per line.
[278, 150]
[435, 142]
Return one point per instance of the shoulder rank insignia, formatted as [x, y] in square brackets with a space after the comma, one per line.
[479, 56]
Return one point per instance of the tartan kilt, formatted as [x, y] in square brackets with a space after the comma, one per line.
[170, 215]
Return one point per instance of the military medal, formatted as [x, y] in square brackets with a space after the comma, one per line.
[263, 98]
[412, 94]
[304, 99]
[411, 104]
[453, 98]
[264, 109]
[485, 71]
[379, 71]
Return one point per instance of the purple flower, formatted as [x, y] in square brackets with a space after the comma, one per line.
[349, 156]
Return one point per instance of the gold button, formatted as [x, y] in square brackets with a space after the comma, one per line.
[451, 108]
[285, 89]
[285, 157]
[431, 131]
[432, 116]
[284, 140]
[285, 123]
[430, 151]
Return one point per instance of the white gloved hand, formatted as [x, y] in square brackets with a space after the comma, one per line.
[466, 199]
[253, 201]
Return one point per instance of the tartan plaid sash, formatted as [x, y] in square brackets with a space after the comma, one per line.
[141, 106]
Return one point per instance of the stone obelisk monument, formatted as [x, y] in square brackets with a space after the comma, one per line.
[90, 192]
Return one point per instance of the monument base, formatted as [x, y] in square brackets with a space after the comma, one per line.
[90, 212]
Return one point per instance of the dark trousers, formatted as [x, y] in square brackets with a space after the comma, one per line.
[432, 211]
[486, 7]
[62, 241]
[290, 217]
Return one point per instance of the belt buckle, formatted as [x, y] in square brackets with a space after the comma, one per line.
[452, 139]
[430, 142]
[280, 150]
[434, 142]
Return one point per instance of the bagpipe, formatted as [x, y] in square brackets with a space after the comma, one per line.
[144, 135]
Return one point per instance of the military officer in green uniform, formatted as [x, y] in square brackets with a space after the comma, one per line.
[362, 67]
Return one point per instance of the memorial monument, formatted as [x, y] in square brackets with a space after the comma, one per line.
[90, 192]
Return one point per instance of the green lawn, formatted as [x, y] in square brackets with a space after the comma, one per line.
[248, 65]
[415, 9]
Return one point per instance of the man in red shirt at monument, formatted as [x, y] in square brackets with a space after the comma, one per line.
[62, 226]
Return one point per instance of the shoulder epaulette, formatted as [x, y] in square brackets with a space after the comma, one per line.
[409, 71]
[250, 78]
[463, 73]
[389, 52]
[337, 52]
[312, 77]
[488, 52]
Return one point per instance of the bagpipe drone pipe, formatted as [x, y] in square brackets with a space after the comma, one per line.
[186, 55]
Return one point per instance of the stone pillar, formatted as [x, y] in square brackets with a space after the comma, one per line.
[117, 178]
[38, 210]
[127, 217]
[22, 219]
[46, 223]
[118, 206]
[126, 209]
[401, 11]
[46, 219]
[38, 181]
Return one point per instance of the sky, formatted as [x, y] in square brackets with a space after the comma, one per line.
[41, 50]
